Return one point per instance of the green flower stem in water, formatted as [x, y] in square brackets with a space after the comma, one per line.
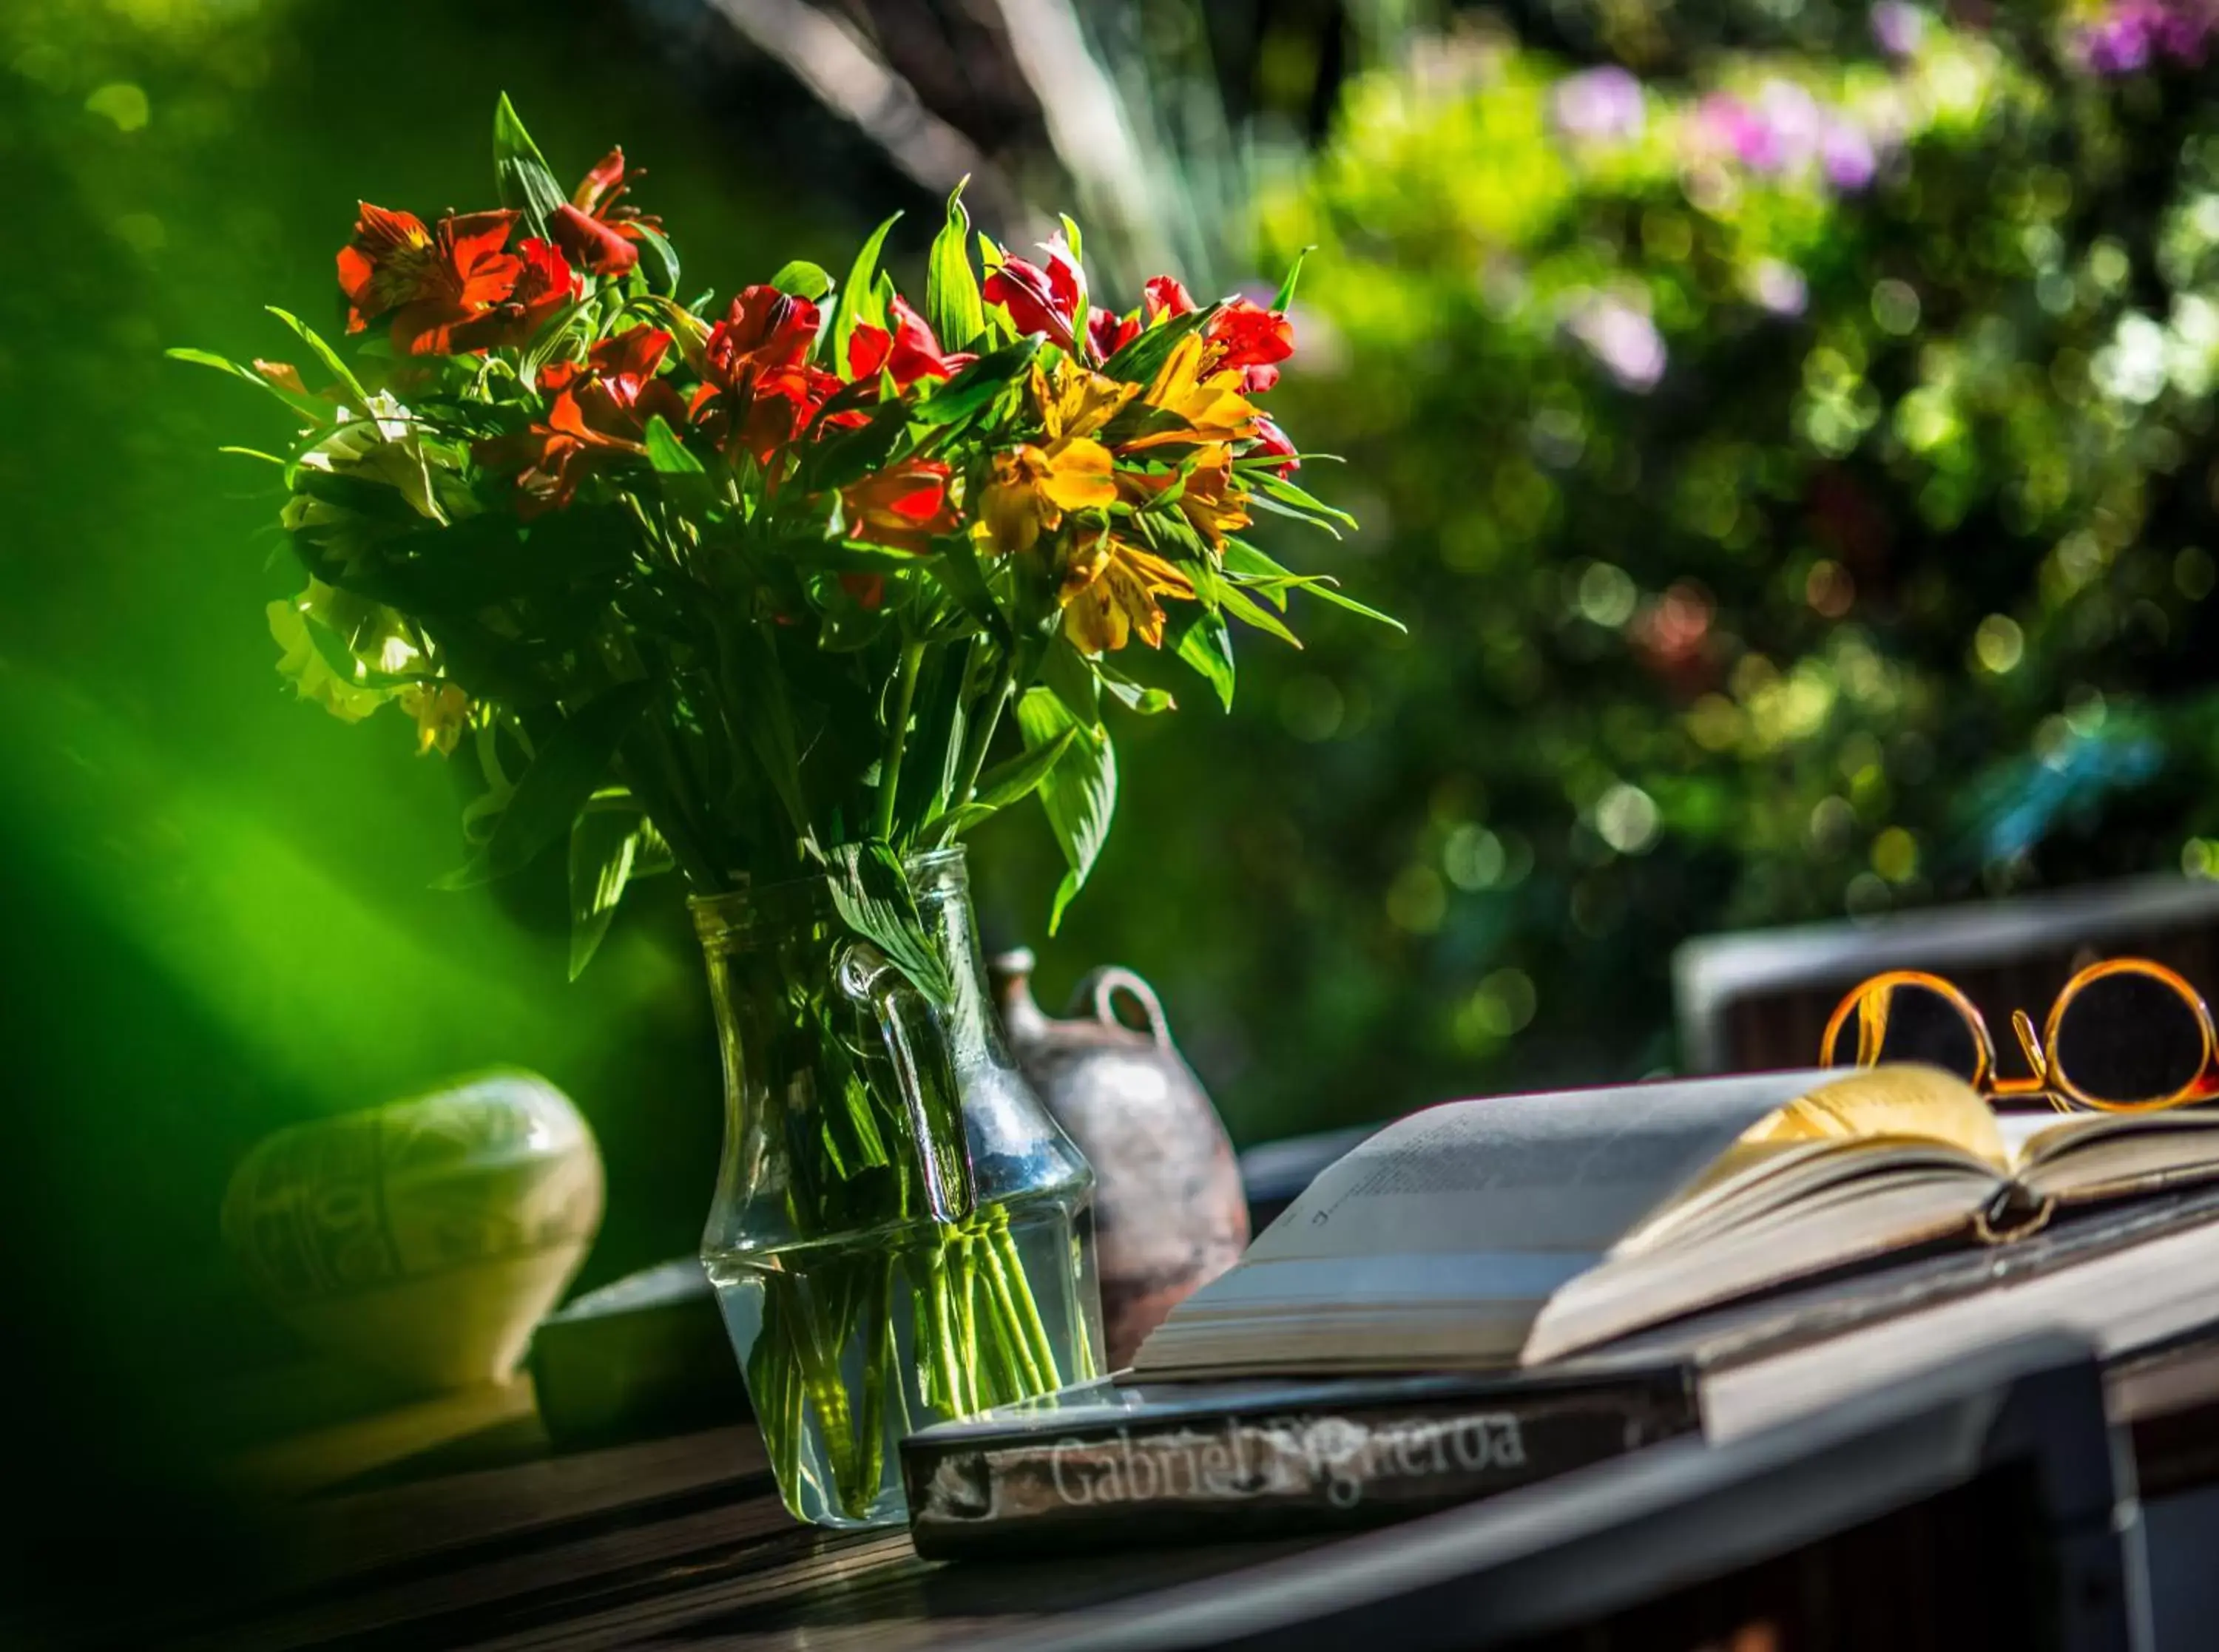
[981, 1341]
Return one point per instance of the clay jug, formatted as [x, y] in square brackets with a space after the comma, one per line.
[1169, 1212]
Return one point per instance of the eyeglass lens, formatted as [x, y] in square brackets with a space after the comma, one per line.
[2129, 1038]
[1913, 1023]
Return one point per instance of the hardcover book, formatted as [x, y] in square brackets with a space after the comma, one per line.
[1162, 1463]
[1517, 1230]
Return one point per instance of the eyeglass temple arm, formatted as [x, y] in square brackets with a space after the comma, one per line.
[2030, 1044]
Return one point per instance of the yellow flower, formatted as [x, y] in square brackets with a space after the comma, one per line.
[1068, 469]
[1079, 401]
[301, 663]
[1207, 497]
[1212, 407]
[442, 713]
[1108, 592]
[370, 636]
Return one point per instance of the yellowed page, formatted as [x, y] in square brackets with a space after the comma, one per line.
[1923, 1104]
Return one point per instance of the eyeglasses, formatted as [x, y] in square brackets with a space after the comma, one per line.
[2126, 1035]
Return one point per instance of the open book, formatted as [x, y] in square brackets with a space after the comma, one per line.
[1520, 1228]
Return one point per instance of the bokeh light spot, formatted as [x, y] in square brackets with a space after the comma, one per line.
[1895, 856]
[123, 103]
[1626, 816]
[1999, 644]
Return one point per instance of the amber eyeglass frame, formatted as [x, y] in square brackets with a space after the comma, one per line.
[2049, 1079]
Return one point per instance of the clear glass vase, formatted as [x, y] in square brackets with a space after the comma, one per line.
[902, 1234]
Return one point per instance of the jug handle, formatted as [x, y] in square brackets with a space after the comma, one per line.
[924, 1068]
[1102, 987]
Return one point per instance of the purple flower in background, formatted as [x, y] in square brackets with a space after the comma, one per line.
[1848, 156]
[1730, 124]
[1785, 131]
[1604, 103]
[1622, 339]
[1796, 121]
[1898, 28]
[2133, 34]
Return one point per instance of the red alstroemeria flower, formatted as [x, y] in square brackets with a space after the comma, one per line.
[544, 284]
[905, 507]
[598, 417]
[1165, 295]
[910, 352]
[1040, 300]
[1107, 333]
[1272, 441]
[758, 391]
[430, 282]
[593, 228]
[1248, 336]
[1162, 296]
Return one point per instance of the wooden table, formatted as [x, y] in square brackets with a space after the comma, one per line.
[487, 1539]
[457, 1525]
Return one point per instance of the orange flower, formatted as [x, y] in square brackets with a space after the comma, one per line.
[593, 228]
[1205, 399]
[905, 507]
[545, 283]
[758, 390]
[435, 282]
[598, 417]
[1207, 494]
[1109, 593]
[1033, 484]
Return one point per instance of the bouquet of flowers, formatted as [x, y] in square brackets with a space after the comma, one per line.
[800, 586]
[752, 589]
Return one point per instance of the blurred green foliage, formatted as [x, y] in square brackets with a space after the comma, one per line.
[1796, 469]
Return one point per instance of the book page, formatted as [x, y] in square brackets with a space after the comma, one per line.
[1446, 1233]
[1920, 1103]
[1561, 1177]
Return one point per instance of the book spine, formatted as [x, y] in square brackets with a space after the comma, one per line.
[1266, 1474]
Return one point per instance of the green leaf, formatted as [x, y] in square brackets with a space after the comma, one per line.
[357, 397]
[857, 302]
[571, 763]
[1304, 502]
[1138, 361]
[960, 576]
[1069, 673]
[1245, 608]
[666, 453]
[873, 894]
[1070, 239]
[951, 306]
[1243, 558]
[1207, 646]
[526, 184]
[1293, 274]
[1079, 792]
[652, 857]
[758, 698]
[1018, 778]
[658, 259]
[603, 849]
[308, 407]
[802, 279]
[1144, 698]
[976, 387]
